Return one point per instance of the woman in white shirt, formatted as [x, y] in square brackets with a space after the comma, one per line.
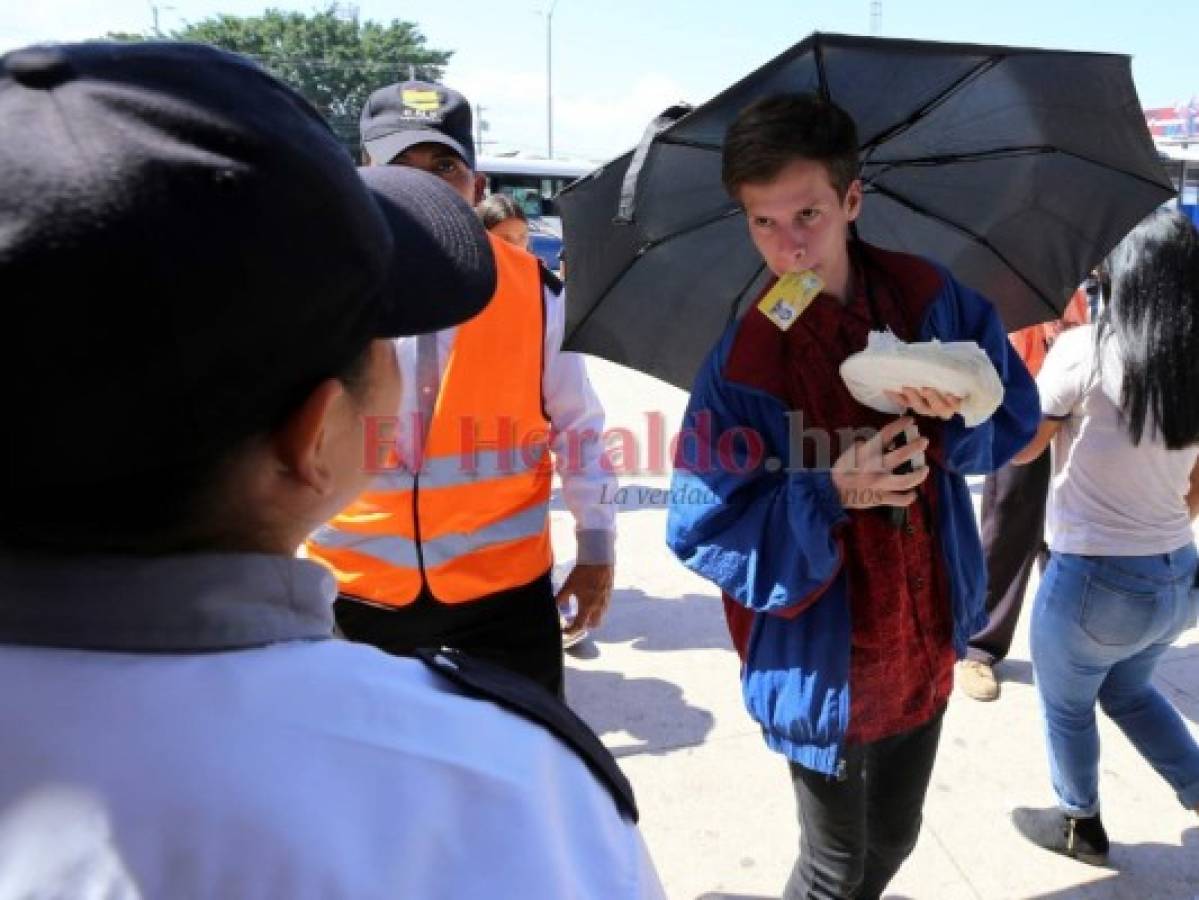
[1120, 401]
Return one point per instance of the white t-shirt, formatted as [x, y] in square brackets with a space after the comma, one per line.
[304, 769]
[1108, 497]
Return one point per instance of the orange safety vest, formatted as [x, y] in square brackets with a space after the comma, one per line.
[475, 519]
[1032, 343]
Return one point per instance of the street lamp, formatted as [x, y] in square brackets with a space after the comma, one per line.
[549, 79]
[155, 9]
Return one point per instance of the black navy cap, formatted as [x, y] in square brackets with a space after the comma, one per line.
[403, 115]
[186, 251]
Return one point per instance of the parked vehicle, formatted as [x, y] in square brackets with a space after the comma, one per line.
[1182, 165]
[534, 184]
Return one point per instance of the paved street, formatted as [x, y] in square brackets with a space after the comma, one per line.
[659, 683]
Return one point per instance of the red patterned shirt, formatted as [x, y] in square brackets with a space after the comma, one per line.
[902, 656]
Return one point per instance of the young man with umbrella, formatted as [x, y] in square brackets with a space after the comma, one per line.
[851, 584]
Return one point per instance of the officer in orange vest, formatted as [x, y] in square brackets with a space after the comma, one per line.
[450, 546]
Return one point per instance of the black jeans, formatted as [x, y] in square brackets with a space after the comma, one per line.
[856, 831]
[1013, 522]
[517, 629]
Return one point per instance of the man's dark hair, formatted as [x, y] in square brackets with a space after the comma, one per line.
[775, 131]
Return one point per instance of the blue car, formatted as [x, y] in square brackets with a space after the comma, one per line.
[545, 242]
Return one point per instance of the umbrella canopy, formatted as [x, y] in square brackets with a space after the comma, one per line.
[1019, 169]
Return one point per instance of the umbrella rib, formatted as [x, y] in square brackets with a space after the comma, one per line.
[976, 238]
[1000, 153]
[977, 156]
[687, 229]
[687, 142]
[899, 127]
[644, 249]
[821, 72]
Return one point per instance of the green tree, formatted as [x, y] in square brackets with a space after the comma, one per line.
[332, 59]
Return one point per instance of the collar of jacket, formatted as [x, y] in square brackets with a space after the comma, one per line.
[167, 604]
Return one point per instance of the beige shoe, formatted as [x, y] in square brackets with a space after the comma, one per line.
[977, 680]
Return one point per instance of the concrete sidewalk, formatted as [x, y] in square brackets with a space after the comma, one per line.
[659, 682]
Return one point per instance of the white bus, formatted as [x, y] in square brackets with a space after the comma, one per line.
[533, 183]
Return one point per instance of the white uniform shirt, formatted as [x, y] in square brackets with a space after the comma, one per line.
[1108, 498]
[302, 768]
[576, 419]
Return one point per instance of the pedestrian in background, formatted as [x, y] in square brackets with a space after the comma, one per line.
[1119, 405]
[1013, 526]
[504, 218]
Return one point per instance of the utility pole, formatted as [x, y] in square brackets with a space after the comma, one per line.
[876, 17]
[480, 126]
[549, 80]
[154, 8]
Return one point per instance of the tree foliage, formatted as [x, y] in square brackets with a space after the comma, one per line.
[331, 58]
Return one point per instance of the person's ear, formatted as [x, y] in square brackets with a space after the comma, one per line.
[480, 187]
[853, 200]
[301, 444]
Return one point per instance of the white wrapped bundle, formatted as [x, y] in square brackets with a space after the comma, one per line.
[960, 368]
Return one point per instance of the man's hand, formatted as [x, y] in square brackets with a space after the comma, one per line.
[926, 402]
[865, 476]
[592, 589]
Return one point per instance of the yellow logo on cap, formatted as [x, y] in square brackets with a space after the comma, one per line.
[424, 101]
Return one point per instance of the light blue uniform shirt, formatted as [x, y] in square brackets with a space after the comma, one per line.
[206, 739]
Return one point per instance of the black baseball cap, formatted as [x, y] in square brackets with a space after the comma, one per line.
[403, 115]
[186, 251]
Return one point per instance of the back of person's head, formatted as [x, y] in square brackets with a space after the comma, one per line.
[503, 217]
[189, 262]
[776, 131]
[1151, 282]
[499, 208]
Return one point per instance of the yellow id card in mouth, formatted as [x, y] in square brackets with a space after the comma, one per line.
[790, 296]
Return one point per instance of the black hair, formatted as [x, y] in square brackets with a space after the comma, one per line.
[775, 131]
[499, 208]
[172, 505]
[1151, 281]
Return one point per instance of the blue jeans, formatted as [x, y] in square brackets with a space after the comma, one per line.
[1100, 625]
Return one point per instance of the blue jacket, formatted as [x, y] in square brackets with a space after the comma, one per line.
[768, 537]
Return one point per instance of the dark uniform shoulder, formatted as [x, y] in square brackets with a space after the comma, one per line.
[549, 280]
[529, 700]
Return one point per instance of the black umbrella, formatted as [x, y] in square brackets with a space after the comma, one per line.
[1019, 169]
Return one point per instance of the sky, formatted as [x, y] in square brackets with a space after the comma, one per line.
[617, 63]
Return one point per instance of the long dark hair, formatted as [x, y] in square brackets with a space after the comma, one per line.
[1151, 280]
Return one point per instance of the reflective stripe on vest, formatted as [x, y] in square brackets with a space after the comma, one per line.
[470, 467]
[475, 519]
[401, 552]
